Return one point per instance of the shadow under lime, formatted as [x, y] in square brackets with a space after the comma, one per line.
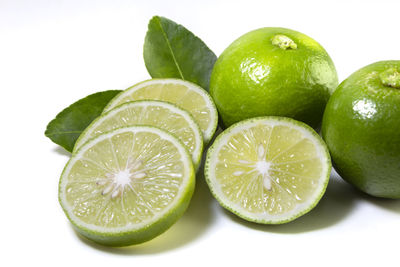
[193, 224]
[336, 204]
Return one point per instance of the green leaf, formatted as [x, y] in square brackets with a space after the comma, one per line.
[172, 51]
[69, 123]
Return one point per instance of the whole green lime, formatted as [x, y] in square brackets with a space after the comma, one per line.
[273, 71]
[361, 126]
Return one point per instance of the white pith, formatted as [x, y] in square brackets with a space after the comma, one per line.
[263, 167]
[122, 178]
[207, 133]
[196, 154]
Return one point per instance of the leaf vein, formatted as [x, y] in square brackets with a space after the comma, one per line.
[170, 49]
[66, 132]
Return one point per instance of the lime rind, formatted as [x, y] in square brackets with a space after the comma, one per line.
[208, 132]
[266, 218]
[197, 151]
[139, 232]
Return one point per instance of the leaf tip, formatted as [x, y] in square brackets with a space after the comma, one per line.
[154, 18]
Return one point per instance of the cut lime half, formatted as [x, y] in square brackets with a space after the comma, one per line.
[127, 186]
[268, 170]
[184, 94]
[154, 113]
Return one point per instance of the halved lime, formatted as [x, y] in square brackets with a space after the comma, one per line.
[154, 113]
[268, 170]
[184, 94]
[127, 186]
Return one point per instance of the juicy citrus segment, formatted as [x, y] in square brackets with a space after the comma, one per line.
[127, 186]
[155, 113]
[268, 170]
[184, 94]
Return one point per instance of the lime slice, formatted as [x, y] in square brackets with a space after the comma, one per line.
[184, 94]
[268, 170]
[127, 186]
[154, 113]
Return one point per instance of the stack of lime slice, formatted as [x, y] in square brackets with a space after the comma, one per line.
[131, 174]
[185, 95]
[149, 112]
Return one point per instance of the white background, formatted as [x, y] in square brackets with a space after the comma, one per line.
[53, 53]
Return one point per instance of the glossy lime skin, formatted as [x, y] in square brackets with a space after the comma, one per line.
[253, 77]
[361, 126]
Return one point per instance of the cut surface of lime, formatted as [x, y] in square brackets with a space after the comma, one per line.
[127, 186]
[268, 170]
[154, 113]
[184, 94]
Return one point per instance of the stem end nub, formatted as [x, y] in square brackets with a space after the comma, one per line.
[390, 78]
[283, 42]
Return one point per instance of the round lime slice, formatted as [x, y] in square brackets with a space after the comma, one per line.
[127, 186]
[154, 113]
[184, 94]
[268, 170]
